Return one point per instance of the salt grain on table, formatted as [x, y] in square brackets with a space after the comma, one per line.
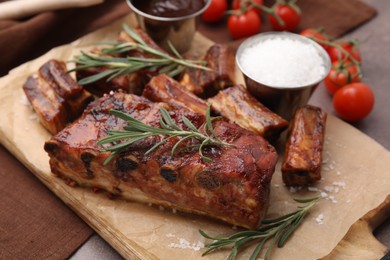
[185, 244]
[320, 219]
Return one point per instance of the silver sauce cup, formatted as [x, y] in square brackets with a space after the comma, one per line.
[178, 30]
[283, 100]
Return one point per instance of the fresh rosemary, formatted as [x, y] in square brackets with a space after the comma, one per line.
[160, 62]
[277, 230]
[136, 130]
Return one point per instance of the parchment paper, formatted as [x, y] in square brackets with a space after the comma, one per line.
[355, 180]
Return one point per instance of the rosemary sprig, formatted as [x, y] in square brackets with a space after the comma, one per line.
[277, 230]
[136, 130]
[160, 62]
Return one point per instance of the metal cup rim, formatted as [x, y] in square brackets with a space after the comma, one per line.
[167, 19]
[320, 49]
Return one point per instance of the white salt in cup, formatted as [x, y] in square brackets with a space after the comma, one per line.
[282, 69]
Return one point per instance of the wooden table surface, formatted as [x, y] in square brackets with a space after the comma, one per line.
[376, 62]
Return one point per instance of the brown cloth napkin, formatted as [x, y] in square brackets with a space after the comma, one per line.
[24, 40]
[34, 224]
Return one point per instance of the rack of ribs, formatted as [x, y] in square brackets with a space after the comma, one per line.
[233, 187]
[303, 152]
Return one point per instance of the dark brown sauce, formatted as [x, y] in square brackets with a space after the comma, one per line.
[169, 8]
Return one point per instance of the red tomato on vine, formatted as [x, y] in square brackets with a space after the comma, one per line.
[244, 25]
[237, 4]
[343, 50]
[354, 102]
[215, 11]
[316, 35]
[341, 74]
[289, 15]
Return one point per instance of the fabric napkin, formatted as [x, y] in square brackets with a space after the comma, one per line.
[26, 39]
[34, 224]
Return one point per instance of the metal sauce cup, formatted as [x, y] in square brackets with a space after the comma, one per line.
[179, 31]
[281, 99]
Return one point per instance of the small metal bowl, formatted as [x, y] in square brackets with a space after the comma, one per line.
[281, 99]
[178, 30]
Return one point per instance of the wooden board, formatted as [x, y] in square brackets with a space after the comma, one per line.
[355, 182]
[359, 242]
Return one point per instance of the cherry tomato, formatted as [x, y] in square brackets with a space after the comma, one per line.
[215, 11]
[316, 36]
[236, 4]
[350, 49]
[353, 102]
[341, 74]
[289, 15]
[244, 25]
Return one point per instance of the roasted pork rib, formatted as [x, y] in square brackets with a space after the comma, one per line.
[55, 96]
[131, 82]
[303, 151]
[206, 83]
[233, 187]
[165, 89]
[239, 106]
[235, 104]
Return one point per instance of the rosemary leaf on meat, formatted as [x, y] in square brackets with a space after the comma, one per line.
[159, 61]
[276, 231]
[135, 131]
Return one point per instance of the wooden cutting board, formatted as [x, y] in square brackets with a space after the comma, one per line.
[359, 242]
[355, 183]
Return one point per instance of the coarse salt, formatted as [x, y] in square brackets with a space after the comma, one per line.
[320, 219]
[341, 184]
[324, 194]
[283, 62]
[33, 117]
[24, 101]
[332, 199]
[185, 244]
[312, 189]
[328, 188]
[293, 189]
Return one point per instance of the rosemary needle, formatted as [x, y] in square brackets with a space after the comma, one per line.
[159, 62]
[276, 231]
[136, 130]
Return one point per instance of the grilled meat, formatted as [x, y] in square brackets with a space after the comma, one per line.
[233, 187]
[235, 103]
[165, 89]
[201, 82]
[206, 83]
[303, 151]
[131, 82]
[55, 96]
[239, 106]
[125, 37]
